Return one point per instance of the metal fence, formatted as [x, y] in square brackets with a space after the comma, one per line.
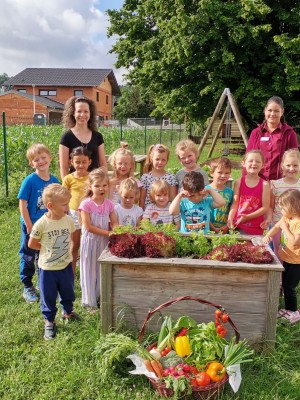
[15, 139]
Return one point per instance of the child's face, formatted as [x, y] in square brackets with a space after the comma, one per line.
[41, 162]
[81, 164]
[188, 159]
[123, 165]
[253, 163]
[220, 176]
[99, 188]
[159, 160]
[290, 167]
[195, 197]
[59, 207]
[161, 199]
[128, 198]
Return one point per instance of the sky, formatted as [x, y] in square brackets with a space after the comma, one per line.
[56, 33]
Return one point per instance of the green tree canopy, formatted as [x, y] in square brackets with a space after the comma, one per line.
[133, 104]
[4, 77]
[185, 52]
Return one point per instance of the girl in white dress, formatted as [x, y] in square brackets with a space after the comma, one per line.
[98, 218]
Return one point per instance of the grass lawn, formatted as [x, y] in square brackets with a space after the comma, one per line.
[67, 368]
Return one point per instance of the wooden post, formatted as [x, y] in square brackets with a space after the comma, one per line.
[238, 118]
[213, 118]
[106, 297]
[217, 134]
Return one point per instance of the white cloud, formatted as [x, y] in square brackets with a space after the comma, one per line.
[64, 33]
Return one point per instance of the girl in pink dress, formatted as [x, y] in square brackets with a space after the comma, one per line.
[98, 218]
[251, 198]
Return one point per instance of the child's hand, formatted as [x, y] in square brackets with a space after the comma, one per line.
[242, 218]
[265, 224]
[266, 240]
[184, 194]
[224, 229]
[205, 192]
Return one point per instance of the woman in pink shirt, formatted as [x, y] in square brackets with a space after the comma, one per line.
[273, 137]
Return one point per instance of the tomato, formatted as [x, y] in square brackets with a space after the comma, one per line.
[163, 353]
[219, 328]
[193, 370]
[202, 379]
[218, 313]
[193, 382]
[225, 318]
[168, 349]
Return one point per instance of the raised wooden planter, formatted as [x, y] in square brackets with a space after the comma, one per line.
[248, 292]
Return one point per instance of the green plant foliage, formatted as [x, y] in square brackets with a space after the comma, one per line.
[185, 52]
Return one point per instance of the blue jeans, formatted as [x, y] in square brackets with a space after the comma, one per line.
[56, 282]
[29, 259]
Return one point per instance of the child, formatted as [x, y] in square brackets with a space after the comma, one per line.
[290, 166]
[51, 235]
[220, 170]
[188, 154]
[194, 205]
[154, 170]
[157, 212]
[31, 209]
[123, 163]
[289, 251]
[76, 182]
[98, 217]
[251, 197]
[127, 212]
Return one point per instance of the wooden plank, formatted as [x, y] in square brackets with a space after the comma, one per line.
[273, 289]
[106, 298]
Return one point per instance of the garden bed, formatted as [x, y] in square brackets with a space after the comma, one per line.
[248, 292]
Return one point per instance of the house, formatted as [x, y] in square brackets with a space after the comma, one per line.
[45, 91]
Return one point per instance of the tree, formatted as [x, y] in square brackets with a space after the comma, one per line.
[4, 77]
[133, 104]
[185, 52]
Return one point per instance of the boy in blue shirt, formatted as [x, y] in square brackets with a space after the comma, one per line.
[220, 170]
[32, 208]
[194, 204]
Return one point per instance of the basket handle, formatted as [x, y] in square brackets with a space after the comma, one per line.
[174, 301]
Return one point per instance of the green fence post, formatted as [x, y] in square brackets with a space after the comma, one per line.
[5, 153]
[145, 136]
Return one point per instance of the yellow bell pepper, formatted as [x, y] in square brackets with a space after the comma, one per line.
[182, 346]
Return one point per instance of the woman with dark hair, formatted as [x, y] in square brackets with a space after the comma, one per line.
[79, 117]
[273, 137]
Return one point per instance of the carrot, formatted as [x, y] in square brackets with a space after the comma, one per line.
[149, 366]
[157, 370]
[160, 367]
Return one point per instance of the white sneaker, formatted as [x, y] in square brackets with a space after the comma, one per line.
[291, 316]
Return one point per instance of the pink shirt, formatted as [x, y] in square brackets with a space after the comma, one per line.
[90, 206]
[250, 200]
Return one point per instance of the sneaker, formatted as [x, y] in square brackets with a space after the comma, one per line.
[73, 316]
[291, 316]
[281, 312]
[30, 295]
[50, 330]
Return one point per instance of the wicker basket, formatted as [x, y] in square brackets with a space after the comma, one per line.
[198, 392]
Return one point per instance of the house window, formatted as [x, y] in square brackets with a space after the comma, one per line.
[22, 90]
[78, 93]
[97, 96]
[47, 92]
[106, 99]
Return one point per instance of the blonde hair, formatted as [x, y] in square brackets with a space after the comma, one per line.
[122, 151]
[221, 162]
[97, 174]
[290, 153]
[185, 145]
[159, 148]
[157, 187]
[55, 191]
[290, 201]
[254, 152]
[128, 184]
[35, 149]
